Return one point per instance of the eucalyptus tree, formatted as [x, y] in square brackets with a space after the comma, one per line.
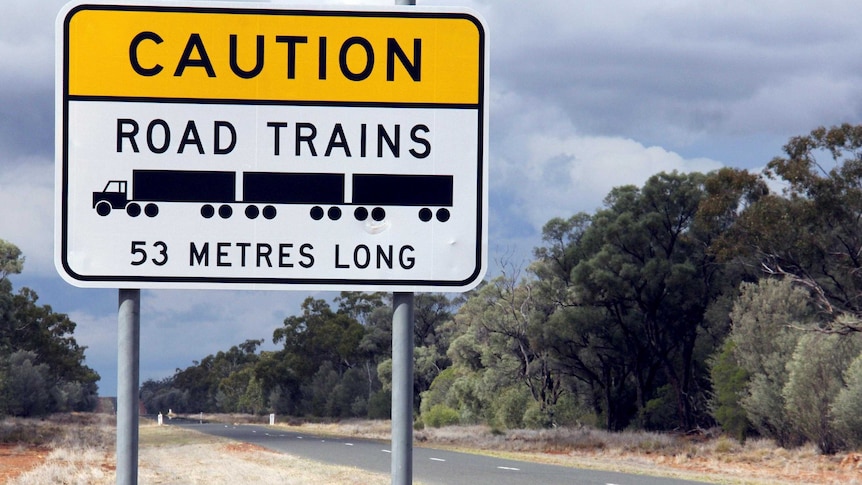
[38, 348]
[11, 259]
[812, 232]
[318, 335]
[587, 349]
[503, 343]
[645, 271]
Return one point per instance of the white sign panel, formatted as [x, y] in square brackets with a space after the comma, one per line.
[236, 146]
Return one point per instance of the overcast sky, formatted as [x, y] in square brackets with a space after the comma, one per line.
[585, 96]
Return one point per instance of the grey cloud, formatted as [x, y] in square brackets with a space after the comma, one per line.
[26, 126]
[612, 91]
[674, 74]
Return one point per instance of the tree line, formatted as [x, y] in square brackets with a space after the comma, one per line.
[691, 301]
[42, 367]
[334, 362]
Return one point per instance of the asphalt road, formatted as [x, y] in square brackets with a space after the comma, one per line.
[430, 466]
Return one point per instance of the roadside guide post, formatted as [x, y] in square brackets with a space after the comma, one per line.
[215, 145]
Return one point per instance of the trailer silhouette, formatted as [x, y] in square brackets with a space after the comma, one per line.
[262, 192]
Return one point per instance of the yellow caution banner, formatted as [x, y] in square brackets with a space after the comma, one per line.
[274, 55]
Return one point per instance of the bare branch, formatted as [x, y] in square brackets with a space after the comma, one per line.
[843, 322]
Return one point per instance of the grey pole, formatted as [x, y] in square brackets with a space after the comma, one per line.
[128, 374]
[402, 389]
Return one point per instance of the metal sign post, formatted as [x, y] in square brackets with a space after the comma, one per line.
[128, 375]
[402, 389]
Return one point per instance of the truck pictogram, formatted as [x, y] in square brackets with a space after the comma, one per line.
[262, 192]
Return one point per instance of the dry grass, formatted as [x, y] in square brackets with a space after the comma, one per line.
[82, 453]
[712, 458]
[77, 428]
[79, 447]
[230, 463]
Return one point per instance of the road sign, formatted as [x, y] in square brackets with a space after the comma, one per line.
[214, 145]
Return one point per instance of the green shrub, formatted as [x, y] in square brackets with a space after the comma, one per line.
[509, 412]
[729, 382]
[438, 391]
[816, 377]
[569, 412]
[537, 418]
[380, 405]
[846, 410]
[766, 318]
[440, 415]
[26, 387]
[660, 411]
